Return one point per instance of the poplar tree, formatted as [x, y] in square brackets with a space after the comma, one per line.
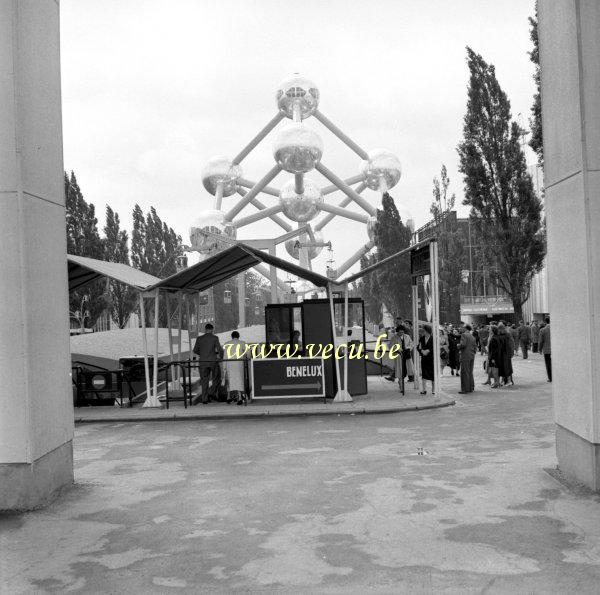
[83, 239]
[138, 240]
[505, 210]
[451, 247]
[123, 299]
[536, 140]
[393, 279]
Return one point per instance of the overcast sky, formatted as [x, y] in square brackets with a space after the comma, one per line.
[153, 88]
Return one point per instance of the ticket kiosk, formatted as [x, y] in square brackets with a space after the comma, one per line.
[309, 323]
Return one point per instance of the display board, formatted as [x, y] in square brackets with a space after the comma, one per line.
[288, 378]
[420, 262]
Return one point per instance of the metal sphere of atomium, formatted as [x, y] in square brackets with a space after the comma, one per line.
[293, 246]
[300, 207]
[221, 169]
[297, 149]
[382, 170]
[214, 222]
[297, 90]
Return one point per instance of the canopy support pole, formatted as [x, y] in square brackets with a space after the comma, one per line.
[415, 320]
[145, 345]
[336, 363]
[198, 310]
[188, 324]
[343, 395]
[179, 325]
[152, 396]
[435, 317]
[156, 313]
[169, 328]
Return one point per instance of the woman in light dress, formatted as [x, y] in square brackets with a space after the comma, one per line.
[234, 365]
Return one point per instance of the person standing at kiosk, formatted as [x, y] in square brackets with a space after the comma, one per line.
[234, 368]
[209, 351]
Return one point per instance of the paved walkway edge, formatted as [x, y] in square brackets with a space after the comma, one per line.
[266, 413]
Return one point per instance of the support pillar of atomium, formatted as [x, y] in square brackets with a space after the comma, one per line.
[36, 403]
[570, 69]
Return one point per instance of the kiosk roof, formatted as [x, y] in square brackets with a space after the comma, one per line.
[83, 270]
[229, 263]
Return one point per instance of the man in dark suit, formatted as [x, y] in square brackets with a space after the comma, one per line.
[209, 351]
[525, 336]
[468, 348]
[545, 347]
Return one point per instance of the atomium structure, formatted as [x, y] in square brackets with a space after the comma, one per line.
[300, 207]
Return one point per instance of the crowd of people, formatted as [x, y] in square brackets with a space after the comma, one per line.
[498, 342]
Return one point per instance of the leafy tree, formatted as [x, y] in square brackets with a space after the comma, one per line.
[83, 239]
[505, 211]
[155, 249]
[138, 239]
[123, 299]
[393, 279]
[451, 250]
[536, 141]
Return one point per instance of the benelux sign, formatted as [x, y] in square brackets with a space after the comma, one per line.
[301, 377]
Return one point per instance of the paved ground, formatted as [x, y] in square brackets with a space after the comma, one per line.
[383, 397]
[454, 499]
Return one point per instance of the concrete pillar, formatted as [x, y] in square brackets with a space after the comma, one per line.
[36, 407]
[569, 50]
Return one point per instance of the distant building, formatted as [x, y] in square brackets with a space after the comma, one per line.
[475, 298]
